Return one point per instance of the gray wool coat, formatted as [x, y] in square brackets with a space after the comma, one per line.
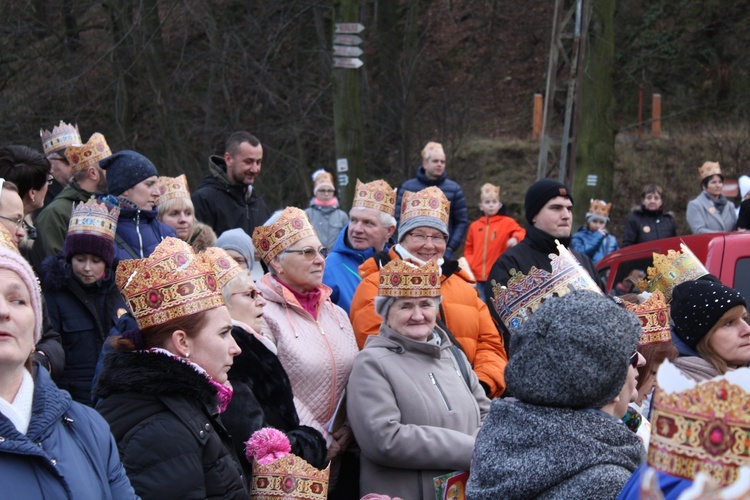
[704, 218]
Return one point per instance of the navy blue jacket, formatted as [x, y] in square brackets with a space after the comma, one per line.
[458, 222]
[141, 232]
[67, 452]
[83, 314]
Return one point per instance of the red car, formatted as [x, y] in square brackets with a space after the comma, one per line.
[725, 255]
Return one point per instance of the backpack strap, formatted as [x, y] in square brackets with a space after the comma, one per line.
[124, 245]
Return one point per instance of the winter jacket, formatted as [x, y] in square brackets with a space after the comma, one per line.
[412, 413]
[327, 221]
[528, 451]
[222, 205]
[670, 486]
[461, 310]
[743, 219]
[704, 217]
[317, 355]
[593, 244]
[67, 451]
[341, 273]
[52, 222]
[263, 397]
[83, 314]
[138, 233]
[534, 251]
[645, 225]
[162, 413]
[487, 239]
[458, 221]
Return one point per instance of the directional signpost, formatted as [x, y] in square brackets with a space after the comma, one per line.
[345, 46]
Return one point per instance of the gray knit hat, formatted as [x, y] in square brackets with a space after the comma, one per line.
[573, 352]
[239, 241]
[421, 221]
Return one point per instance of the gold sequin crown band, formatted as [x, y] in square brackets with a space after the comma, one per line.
[377, 195]
[94, 218]
[709, 168]
[225, 267]
[6, 240]
[399, 278]
[91, 153]
[429, 202]
[670, 270]
[171, 188]
[289, 477]
[61, 136]
[654, 317]
[171, 283]
[292, 226]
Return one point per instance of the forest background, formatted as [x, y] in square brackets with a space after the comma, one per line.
[172, 78]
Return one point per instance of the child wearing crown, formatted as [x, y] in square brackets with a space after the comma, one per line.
[593, 238]
[324, 212]
[490, 235]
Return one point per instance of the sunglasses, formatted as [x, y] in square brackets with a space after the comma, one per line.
[634, 359]
[310, 253]
[253, 294]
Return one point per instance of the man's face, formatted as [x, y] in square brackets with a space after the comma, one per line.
[244, 165]
[434, 166]
[11, 210]
[366, 230]
[555, 218]
[60, 169]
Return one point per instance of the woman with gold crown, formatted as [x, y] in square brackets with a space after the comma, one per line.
[710, 211]
[163, 389]
[413, 401]
[177, 211]
[324, 212]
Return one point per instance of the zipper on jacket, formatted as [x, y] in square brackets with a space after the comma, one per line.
[138, 230]
[440, 391]
[484, 250]
[419, 483]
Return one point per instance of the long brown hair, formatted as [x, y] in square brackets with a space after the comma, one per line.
[706, 351]
[157, 336]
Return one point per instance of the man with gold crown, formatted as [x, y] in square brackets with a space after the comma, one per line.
[371, 225]
[54, 143]
[87, 180]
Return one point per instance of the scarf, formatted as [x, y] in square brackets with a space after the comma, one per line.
[19, 411]
[308, 301]
[405, 255]
[333, 202]
[719, 203]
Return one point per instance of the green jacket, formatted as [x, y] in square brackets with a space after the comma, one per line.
[52, 222]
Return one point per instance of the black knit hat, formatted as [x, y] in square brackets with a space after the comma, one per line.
[573, 352]
[125, 169]
[540, 193]
[698, 305]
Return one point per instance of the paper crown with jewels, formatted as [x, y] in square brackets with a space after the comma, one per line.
[523, 294]
[171, 188]
[599, 208]
[225, 267]
[6, 240]
[84, 156]
[432, 148]
[322, 178]
[490, 191]
[709, 168]
[654, 317]
[670, 270]
[60, 137]
[94, 218]
[171, 283]
[289, 477]
[429, 202]
[377, 195]
[291, 227]
[399, 278]
[700, 427]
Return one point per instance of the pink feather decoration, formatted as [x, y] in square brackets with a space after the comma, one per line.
[267, 445]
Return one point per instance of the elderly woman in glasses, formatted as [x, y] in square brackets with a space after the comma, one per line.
[422, 236]
[313, 336]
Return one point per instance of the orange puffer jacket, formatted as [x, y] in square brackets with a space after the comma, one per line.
[465, 315]
[487, 239]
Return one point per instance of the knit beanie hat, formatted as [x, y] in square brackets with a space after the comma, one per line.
[239, 241]
[421, 221]
[540, 193]
[573, 352]
[125, 169]
[13, 261]
[698, 305]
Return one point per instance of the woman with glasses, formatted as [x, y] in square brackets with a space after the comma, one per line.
[262, 394]
[324, 212]
[423, 236]
[312, 335]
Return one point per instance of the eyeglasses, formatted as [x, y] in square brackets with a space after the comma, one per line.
[50, 178]
[309, 252]
[253, 294]
[326, 191]
[18, 222]
[422, 238]
[634, 359]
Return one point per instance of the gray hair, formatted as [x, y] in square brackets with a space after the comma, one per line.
[386, 219]
[236, 283]
[383, 304]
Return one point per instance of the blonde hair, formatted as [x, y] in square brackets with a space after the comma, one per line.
[706, 351]
[175, 203]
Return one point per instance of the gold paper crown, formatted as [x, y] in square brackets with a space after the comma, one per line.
[171, 283]
[654, 316]
[94, 218]
[600, 208]
[225, 267]
[429, 202]
[289, 477]
[523, 294]
[702, 429]
[490, 191]
[292, 226]
[399, 278]
[709, 168]
[670, 270]
[377, 195]
[6, 240]
[432, 148]
[322, 177]
[61, 136]
[91, 153]
[172, 187]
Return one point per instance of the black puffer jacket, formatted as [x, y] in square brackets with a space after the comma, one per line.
[162, 413]
[647, 225]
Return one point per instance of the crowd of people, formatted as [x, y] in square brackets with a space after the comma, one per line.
[138, 355]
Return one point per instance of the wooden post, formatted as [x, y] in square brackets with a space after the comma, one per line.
[640, 110]
[656, 116]
[538, 113]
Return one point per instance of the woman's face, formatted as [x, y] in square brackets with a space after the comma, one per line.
[143, 194]
[17, 321]
[629, 393]
[38, 201]
[238, 258]
[180, 217]
[297, 270]
[87, 267]
[425, 243]
[731, 340]
[413, 318]
[214, 348]
[324, 193]
[652, 201]
[647, 386]
[246, 304]
[715, 186]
